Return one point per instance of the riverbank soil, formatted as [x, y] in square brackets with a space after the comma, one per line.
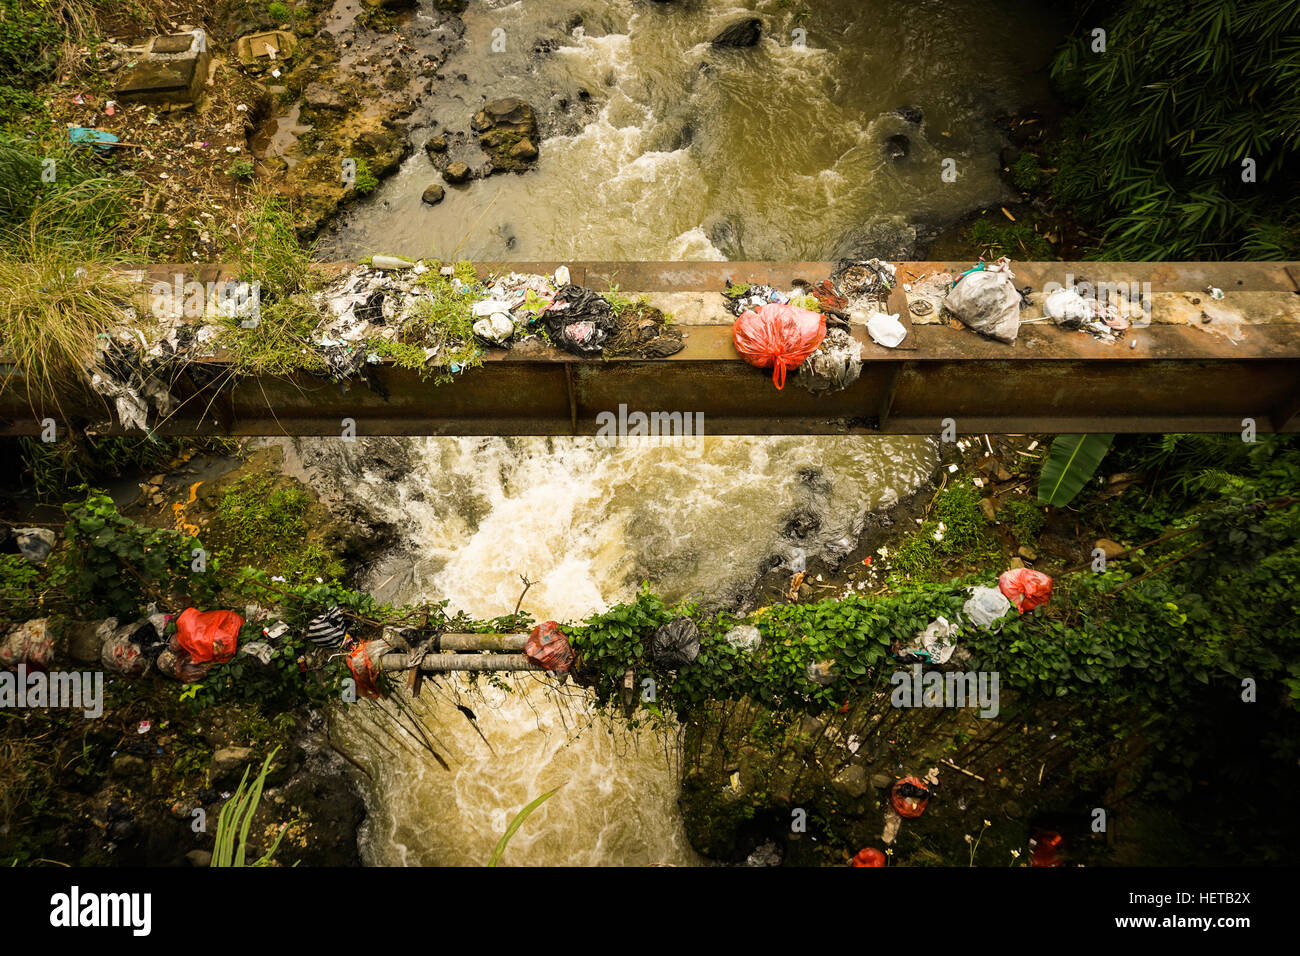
[316, 123]
[144, 783]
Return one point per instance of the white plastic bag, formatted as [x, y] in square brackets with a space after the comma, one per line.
[987, 301]
[984, 606]
[744, 637]
[886, 330]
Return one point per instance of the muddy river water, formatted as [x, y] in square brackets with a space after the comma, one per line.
[658, 146]
[655, 146]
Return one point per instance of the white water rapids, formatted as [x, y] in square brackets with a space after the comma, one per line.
[587, 524]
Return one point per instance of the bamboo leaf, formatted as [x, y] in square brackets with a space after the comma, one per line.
[1071, 462]
[515, 824]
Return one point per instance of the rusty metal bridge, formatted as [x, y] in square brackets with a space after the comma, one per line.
[1203, 364]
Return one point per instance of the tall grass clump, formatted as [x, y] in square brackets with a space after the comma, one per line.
[237, 817]
[265, 245]
[58, 290]
[1185, 92]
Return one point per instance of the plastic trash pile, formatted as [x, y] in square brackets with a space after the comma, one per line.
[987, 301]
[1106, 321]
[1022, 588]
[360, 310]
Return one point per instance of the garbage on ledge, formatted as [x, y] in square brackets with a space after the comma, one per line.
[986, 300]
[835, 365]
[363, 316]
[778, 337]
[886, 330]
[1069, 309]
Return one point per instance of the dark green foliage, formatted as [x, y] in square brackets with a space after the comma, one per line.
[28, 39]
[1186, 90]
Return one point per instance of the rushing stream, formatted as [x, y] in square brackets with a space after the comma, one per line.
[587, 524]
[658, 146]
[655, 146]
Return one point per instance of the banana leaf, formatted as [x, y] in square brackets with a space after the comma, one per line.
[1073, 459]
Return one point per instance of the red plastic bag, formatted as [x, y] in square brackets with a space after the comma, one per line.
[869, 856]
[208, 635]
[779, 336]
[363, 662]
[548, 647]
[1024, 588]
[909, 797]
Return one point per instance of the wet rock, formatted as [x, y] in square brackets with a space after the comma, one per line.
[741, 33]
[437, 144]
[322, 96]
[851, 781]
[228, 759]
[126, 765]
[524, 150]
[882, 781]
[1112, 549]
[507, 132]
[880, 238]
[897, 147]
[767, 854]
[433, 194]
[85, 641]
[378, 141]
[199, 858]
[456, 173]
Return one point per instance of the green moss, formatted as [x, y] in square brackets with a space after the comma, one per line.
[1024, 518]
[263, 520]
[1027, 173]
[1018, 240]
[963, 534]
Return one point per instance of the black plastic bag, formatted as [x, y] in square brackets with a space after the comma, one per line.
[583, 324]
[676, 644]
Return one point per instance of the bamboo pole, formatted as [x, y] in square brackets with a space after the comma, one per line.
[441, 663]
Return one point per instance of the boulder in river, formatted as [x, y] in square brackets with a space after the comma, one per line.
[741, 33]
[436, 144]
[456, 173]
[507, 132]
[897, 146]
[322, 96]
[433, 194]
